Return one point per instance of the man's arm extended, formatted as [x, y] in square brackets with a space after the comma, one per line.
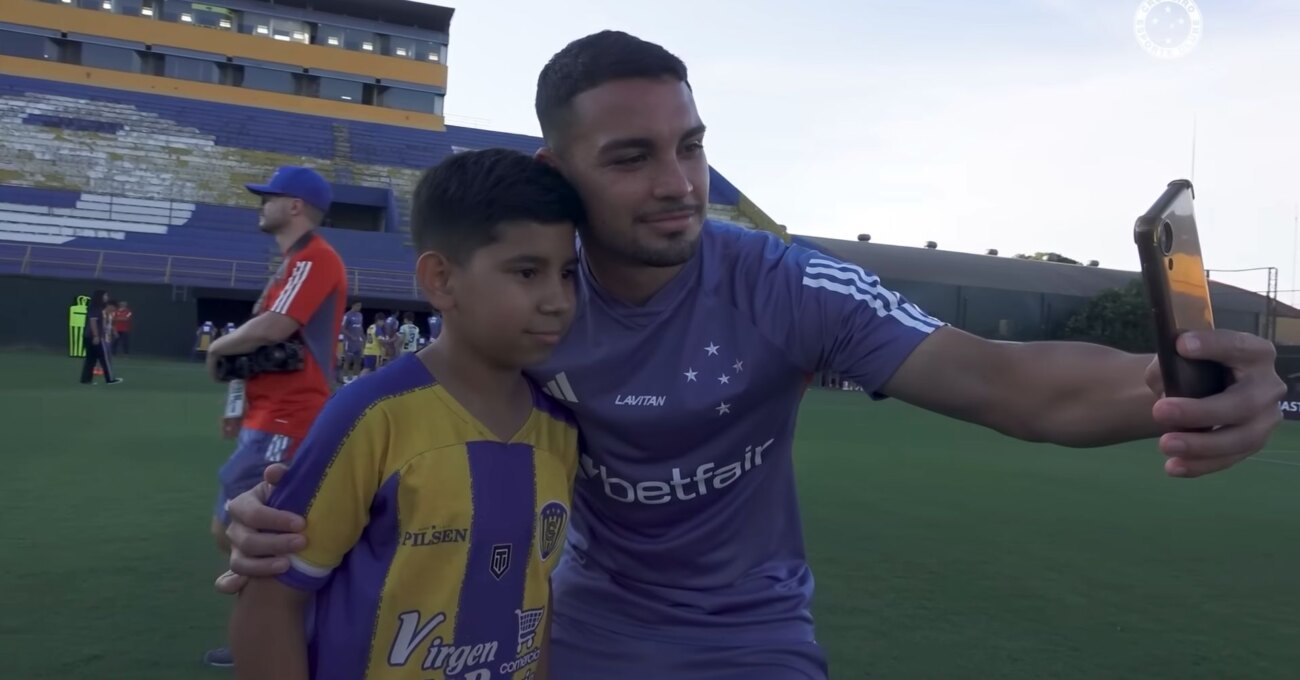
[267, 632]
[1067, 393]
[831, 315]
[1077, 394]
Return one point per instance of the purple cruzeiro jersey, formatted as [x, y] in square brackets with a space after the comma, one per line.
[686, 523]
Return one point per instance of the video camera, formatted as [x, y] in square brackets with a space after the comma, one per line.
[282, 357]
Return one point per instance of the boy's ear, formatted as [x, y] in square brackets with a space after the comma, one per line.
[546, 155]
[433, 272]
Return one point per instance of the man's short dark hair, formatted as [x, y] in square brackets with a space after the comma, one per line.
[314, 215]
[460, 203]
[590, 62]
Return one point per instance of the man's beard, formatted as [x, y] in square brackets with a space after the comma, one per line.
[672, 254]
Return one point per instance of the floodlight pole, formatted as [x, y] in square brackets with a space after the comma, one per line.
[1269, 331]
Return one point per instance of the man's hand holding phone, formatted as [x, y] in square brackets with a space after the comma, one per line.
[1218, 391]
[1213, 433]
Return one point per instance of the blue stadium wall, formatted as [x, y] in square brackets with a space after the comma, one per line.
[68, 150]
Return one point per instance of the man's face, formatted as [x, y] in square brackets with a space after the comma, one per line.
[634, 149]
[276, 213]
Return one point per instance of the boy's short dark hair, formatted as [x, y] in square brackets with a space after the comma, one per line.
[459, 203]
[592, 61]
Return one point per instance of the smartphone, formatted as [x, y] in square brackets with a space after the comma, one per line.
[1178, 290]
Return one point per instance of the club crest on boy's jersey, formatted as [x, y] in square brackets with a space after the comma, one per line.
[551, 522]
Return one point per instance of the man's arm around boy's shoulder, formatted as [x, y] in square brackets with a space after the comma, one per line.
[267, 632]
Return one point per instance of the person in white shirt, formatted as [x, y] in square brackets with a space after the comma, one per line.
[409, 334]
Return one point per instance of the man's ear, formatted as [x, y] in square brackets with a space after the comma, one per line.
[433, 272]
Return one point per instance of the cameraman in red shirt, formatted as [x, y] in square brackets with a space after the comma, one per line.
[302, 303]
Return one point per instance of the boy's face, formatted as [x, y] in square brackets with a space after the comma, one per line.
[634, 149]
[513, 300]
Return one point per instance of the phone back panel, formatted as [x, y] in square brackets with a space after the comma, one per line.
[1174, 273]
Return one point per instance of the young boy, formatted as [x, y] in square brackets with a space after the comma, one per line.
[409, 334]
[436, 491]
[375, 341]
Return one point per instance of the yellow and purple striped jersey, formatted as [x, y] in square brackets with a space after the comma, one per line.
[430, 542]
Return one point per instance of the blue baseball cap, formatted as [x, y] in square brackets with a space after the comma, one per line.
[297, 182]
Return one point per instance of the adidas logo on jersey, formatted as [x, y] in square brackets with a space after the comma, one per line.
[560, 388]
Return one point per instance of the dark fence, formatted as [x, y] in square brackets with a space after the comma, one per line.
[1022, 315]
[36, 312]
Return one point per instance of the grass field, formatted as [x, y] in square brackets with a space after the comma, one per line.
[940, 550]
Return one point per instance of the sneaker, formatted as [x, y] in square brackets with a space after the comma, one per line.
[114, 381]
[219, 658]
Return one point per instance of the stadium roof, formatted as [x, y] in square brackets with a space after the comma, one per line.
[902, 263]
[398, 12]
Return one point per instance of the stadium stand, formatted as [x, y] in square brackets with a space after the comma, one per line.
[129, 128]
[125, 142]
[138, 184]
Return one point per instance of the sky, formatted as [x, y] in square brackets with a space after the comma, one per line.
[1021, 125]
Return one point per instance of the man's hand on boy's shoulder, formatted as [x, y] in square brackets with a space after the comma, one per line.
[254, 552]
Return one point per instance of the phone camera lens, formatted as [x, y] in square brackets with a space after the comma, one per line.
[1166, 238]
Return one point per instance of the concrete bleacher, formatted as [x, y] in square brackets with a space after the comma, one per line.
[115, 184]
[61, 234]
[148, 241]
[93, 216]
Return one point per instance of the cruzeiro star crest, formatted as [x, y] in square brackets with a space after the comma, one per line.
[714, 369]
